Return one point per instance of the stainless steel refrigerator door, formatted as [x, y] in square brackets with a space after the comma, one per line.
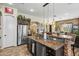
[25, 30]
[19, 34]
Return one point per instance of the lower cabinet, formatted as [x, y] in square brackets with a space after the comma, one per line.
[58, 52]
[35, 48]
[50, 52]
[31, 47]
[40, 50]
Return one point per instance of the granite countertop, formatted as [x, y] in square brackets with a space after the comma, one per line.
[61, 36]
[52, 44]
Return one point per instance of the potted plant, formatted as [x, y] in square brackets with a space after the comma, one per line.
[77, 32]
[0, 13]
[19, 18]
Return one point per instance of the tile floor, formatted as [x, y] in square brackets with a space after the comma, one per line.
[21, 51]
[15, 51]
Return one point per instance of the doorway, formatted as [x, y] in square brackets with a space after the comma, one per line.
[50, 28]
[9, 31]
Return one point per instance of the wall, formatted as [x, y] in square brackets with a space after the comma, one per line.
[74, 21]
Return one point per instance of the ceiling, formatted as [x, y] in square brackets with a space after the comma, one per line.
[61, 10]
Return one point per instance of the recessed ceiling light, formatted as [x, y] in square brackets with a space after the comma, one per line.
[32, 10]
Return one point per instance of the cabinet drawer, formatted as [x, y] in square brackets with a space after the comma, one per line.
[50, 52]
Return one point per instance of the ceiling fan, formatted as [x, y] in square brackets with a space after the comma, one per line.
[45, 4]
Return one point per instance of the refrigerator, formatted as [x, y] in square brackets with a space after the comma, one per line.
[22, 33]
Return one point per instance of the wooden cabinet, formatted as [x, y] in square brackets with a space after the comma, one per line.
[52, 52]
[40, 50]
[31, 47]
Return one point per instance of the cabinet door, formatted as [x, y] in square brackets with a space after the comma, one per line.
[33, 48]
[40, 50]
[29, 45]
[9, 31]
[50, 52]
[58, 52]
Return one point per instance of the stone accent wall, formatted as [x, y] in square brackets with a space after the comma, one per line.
[67, 48]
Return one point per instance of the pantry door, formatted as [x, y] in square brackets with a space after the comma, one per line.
[9, 31]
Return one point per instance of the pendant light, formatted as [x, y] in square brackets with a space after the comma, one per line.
[45, 34]
[53, 28]
[53, 12]
[44, 15]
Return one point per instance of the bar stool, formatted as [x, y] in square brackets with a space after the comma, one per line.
[75, 44]
[69, 43]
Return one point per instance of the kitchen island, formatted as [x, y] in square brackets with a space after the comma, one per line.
[41, 47]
